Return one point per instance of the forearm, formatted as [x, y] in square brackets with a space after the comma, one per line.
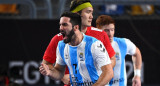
[105, 77]
[113, 61]
[56, 74]
[137, 59]
[137, 62]
[50, 65]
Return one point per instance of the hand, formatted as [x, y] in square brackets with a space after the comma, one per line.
[66, 79]
[44, 70]
[136, 81]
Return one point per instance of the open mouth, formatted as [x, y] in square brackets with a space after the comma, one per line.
[64, 34]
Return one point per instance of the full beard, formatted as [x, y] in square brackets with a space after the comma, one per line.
[69, 36]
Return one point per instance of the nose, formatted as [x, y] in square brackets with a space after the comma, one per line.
[91, 16]
[61, 27]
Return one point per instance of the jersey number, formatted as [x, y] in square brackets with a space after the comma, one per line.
[75, 66]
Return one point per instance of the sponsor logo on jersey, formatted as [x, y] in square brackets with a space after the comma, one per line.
[100, 46]
[116, 81]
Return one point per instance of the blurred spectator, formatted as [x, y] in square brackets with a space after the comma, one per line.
[142, 10]
[8, 9]
[112, 9]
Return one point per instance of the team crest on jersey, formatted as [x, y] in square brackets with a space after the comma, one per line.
[117, 56]
[81, 57]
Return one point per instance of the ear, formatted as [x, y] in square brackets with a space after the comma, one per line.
[76, 27]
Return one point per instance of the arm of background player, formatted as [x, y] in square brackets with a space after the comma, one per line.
[113, 61]
[109, 49]
[49, 56]
[50, 65]
[137, 63]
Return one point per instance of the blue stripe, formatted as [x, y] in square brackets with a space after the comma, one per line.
[123, 50]
[61, 46]
[74, 63]
[89, 59]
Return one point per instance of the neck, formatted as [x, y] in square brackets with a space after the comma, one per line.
[83, 29]
[77, 39]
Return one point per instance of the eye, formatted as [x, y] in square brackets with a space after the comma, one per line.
[88, 11]
[64, 24]
[112, 29]
[106, 30]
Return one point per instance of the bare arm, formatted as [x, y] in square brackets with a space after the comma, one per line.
[56, 73]
[50, 65]
[106, 76]
[137, 63]
[113, 61]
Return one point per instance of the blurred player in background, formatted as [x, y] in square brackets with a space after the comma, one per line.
[122, 47]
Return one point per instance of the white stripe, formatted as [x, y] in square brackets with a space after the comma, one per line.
[82, 65]
[117, 68]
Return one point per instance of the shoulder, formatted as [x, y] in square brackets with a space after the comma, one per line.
[57, 37]
[121, 40]
[61, 44]
[118, 39]
[95, 32]
[89, 38]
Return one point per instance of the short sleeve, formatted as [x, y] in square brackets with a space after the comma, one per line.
[50, 53]
[131, 47]
[108, 45]
[100, 55]
[59, 59]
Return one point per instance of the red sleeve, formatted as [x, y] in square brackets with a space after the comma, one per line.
[108, 45]
[103, 37]
[50, 53]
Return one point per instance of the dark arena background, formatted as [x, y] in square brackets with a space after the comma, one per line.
[27, 29]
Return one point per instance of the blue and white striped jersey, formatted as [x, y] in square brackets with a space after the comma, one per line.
[84, 61]
[122, 47]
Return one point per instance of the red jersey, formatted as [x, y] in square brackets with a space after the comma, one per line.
[50, 53]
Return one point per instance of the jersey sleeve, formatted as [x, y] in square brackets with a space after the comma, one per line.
[100, 54]
[50, 53]
[131, 47]
[108, 45]
[59, 59]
